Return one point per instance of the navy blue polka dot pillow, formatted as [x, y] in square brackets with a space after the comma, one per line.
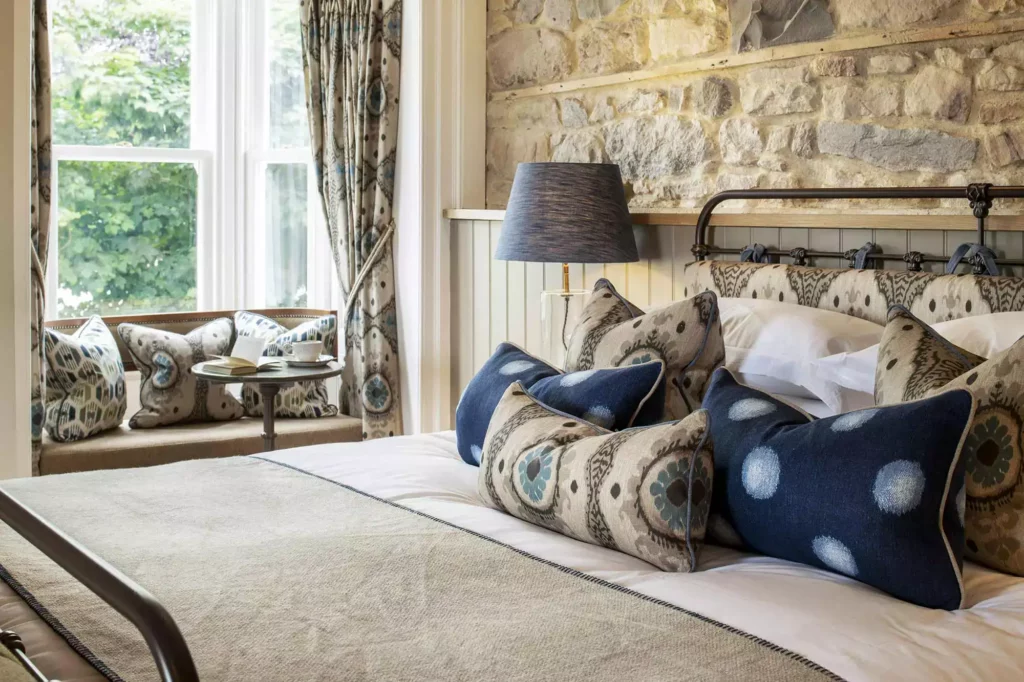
[877, 495]
[613, 399]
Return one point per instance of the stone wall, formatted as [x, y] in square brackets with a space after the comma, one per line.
[947, 113]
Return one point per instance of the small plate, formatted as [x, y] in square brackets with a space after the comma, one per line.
[320, 362]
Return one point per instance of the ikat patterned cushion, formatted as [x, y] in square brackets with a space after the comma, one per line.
[615, 398]
[913, 362]
[84, 382]
[308, 399]
[644, 491]
[877, 495]
[171, 394]
[686, 336]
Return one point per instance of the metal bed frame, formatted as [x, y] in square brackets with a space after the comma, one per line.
[166, 643]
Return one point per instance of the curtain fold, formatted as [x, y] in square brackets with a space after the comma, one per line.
[351, 55]
[41, 141]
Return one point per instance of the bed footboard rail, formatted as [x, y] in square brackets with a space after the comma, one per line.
[161, 634]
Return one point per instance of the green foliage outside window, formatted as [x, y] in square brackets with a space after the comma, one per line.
[126, 231]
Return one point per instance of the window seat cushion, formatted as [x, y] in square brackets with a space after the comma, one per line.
[123, 447]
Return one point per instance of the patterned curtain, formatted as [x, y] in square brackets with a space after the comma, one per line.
[351, 54]
[40, 216]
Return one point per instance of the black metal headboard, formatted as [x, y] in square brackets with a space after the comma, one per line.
[980, 197]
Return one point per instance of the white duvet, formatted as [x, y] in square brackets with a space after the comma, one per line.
[856, 631]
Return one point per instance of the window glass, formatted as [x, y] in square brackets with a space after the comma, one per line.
[286, 234]
[121, 72]
[289, 126]
[127, 238]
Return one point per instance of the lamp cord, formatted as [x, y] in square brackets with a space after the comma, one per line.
[565, 323]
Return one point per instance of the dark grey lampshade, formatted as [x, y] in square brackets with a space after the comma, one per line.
[567, 213]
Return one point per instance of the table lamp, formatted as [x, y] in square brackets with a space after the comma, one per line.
[566, 213]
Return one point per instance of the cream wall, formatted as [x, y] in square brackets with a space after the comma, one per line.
[15, 431]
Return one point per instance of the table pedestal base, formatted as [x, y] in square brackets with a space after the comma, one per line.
[268, 392]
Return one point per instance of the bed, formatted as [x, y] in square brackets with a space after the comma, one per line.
[380, 560]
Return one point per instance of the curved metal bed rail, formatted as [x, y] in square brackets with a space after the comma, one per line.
[979, 195]
[170, 652]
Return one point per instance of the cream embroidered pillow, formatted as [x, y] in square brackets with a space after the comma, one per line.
[915, 362]
[171, 394]
[643, 491]
[686, 336]
[84, 382]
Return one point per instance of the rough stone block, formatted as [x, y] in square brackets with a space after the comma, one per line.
[574, 114]
[895, 149]
[1011, 52]
[558, 13]
[712, 97]
[528, 10]
[673, 39]
[642, 102]
[777, 91]
[676, 99]
[1000, 77]
[779, 139]
[805, 138]
[604, 48]
[1001, 110]
[507, 148]
[528, 57]
[580, 146]
[727, 181]
[949, 58]
[834, 66]
[604, 110]
[1004, 147]
[740, 141]
[657, 146]
[888, 14]
[874, 100]
[534, 111]
[891, 63]
[939, 93]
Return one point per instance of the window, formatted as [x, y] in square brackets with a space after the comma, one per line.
[182, 163]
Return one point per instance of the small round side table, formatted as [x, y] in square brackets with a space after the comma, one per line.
[270, 382]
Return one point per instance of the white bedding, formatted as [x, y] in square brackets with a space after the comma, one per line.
[856, 631]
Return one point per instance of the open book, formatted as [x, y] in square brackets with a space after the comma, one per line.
[246, 358]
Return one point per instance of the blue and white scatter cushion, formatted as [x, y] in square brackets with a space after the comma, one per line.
[614, 399]
[303, 399]
[877, 495]
[84, 382]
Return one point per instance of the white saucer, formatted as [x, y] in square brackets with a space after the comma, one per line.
[320, 362]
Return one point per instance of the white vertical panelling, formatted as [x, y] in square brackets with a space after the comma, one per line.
[499, 294]
[517, 303]
[495, 301]
[481, 284]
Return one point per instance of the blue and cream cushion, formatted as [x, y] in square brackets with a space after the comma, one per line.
[915, 361]
[308, 399]
[643, 491]
[686, 336]
[614, 399]
[170, 393]
[84, 382]
[877, 495]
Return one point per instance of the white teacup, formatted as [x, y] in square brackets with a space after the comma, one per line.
[305, 351]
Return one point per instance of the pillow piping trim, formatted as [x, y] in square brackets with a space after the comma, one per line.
[604, 283]
[945, 497]
[944, 342]
[601, 430]
[650, 394]
[689, 497]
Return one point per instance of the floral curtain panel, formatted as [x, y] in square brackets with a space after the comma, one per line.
[40, 216]
[351, 54]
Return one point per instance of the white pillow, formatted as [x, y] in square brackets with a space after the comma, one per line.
[983, 335]
[773, 347]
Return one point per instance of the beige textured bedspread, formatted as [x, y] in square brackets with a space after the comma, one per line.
[274, 574]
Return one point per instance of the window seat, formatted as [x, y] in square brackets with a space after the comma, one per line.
[124, 447]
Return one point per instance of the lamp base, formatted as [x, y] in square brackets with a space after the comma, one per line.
[559, 313]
